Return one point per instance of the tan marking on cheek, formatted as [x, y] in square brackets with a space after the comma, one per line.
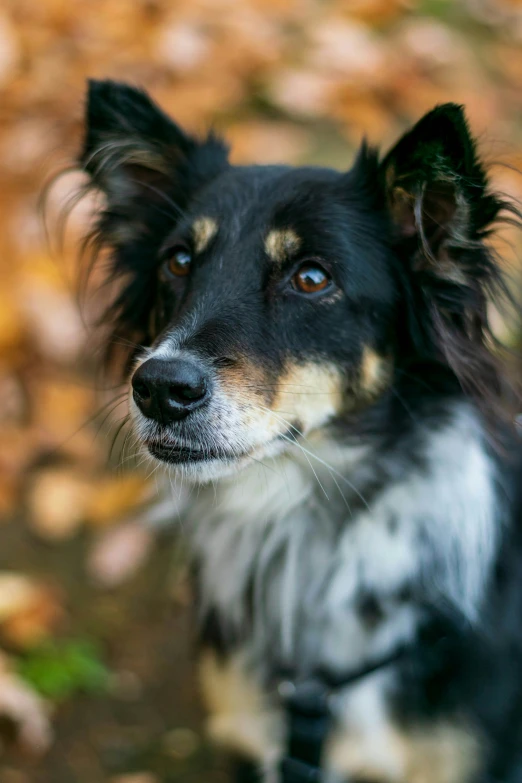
[442, 753]
[304, 395]
[375, 373]
[309, 393]
[240, 718]
[281, 244]
[247, 383]
[204, 229]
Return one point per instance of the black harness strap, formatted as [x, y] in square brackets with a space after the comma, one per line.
[308, 706]
[308, 722]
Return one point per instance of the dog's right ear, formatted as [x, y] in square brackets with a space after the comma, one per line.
[140, 158]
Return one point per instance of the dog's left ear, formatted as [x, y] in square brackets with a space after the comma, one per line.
[438, 199]
[437, 189]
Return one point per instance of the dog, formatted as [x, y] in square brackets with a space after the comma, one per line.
[311, 348]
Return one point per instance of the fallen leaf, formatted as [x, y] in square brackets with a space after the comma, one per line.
[53, 319]
[302, 92]
[115, 497]
[118, 553]
[10, 52]
[348, 48]
[17, 594]
[29, 610]
[65, 405]
[183, 45]
[14, 398]
[180, 743]
[135, 777]
[57, 502]
[12, 327]
[267, 142]
[36, 623]
[25, 708]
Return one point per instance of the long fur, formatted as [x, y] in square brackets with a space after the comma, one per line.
[352, 499]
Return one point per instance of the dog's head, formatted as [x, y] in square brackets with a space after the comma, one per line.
[268, 303]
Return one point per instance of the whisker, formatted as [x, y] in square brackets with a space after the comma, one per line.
[330, 468]
[311, 466]
[121, 426]
[110, 413]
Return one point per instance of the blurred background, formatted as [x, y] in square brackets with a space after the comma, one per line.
[95, 635]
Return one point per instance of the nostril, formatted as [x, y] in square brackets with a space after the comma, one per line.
[141, 389]
[184, 393]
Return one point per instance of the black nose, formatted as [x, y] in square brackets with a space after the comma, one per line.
[168, 390]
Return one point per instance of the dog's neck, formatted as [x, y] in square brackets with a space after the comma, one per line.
[315, 560]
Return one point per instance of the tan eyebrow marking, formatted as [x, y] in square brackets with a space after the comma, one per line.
[281, 243]
[204, 229]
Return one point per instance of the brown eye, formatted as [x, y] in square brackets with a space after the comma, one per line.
[310, 278]
[178, 262]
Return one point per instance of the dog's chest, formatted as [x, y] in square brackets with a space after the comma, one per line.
[312, 569]
[308, 585]
[306, 572]
[303, 578]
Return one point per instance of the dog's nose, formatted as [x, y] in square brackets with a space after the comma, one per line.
[168, 390]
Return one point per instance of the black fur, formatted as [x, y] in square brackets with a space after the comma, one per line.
[403, 239]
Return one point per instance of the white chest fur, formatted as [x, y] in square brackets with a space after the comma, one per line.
[286, 534]
[325, 584]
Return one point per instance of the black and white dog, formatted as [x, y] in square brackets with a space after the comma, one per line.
[311, 347]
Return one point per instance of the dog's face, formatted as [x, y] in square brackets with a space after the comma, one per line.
[273, 315]
[270, 302]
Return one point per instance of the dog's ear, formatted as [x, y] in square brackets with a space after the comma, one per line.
[437, 188]
[442, 210]
[139, 157]
[148, 169]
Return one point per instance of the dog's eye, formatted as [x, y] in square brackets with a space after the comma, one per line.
[178, 261]
[310, 278]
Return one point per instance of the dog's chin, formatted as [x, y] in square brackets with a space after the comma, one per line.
[206, 464]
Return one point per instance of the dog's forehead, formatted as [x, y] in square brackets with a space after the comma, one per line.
[256, 216]
[276, 204]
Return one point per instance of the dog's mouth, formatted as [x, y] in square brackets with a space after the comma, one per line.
[177, 454]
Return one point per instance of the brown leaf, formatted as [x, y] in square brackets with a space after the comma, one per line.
[11, 323]
[303, 92]
[114, 497]
[267, 142]
[119, 553]
[63, 407]
[10, 53]
[36, 623]
[135, 777]
[21, 704]
[29, 610]
[57, 502]
[17, 594]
